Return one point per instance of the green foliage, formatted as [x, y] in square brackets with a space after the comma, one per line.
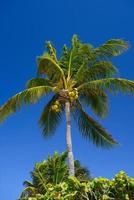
[91, 129]
[113, 85]
[98, 70]
[46, 65]
[38, 82]
[81, 172]
[119, 188]
[49, 119]
[113, 47]
[28, 96]
[49, 175]
[96, 99]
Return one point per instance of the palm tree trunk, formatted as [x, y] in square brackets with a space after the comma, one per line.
[69, 140]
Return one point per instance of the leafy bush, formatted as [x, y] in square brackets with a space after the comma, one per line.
[119, 188]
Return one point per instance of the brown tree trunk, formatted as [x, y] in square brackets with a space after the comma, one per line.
[69, 140]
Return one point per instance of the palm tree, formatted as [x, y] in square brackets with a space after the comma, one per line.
[80, 77]
[52, 171]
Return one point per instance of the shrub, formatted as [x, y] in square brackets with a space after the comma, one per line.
[119, 188]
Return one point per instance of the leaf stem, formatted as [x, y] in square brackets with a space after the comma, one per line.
[69, 66]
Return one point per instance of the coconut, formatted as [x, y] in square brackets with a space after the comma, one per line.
[57, 103]
[52, 107]
[55, 106]
[76, 96]
[72, 94]
[76, 92]
[57, 110]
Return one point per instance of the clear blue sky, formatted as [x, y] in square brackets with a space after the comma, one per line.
[24, 27]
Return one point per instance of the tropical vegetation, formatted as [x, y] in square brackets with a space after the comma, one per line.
[50, 181]
[119, 188]
[80, 78]
[52, 171]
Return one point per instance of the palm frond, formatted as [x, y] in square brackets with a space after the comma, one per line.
[51, 50]
[28, 192]
[27, 184]
[34, 82]
[82, 173]
[56, 169]
[28, 96]
[72, 58]
[96, 99]
[98, 70]
[50, 119]
[39, 181]
[75, 42]
[51, 171]
[113, 85]
[113, 47]
[49, 67]
[91, 129]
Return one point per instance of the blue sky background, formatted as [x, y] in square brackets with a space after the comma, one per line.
[24, 27]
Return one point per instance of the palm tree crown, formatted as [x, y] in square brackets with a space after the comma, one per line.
[81, 77]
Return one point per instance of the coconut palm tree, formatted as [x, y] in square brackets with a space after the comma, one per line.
[79, 78]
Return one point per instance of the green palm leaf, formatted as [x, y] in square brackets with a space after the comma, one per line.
[97, 70]
[48, 66]
[50, 119]
[96, 99]
[110, 84]
[39, 181]
[51, 49]
[34, 82]
[27, 184]
[31, 95]
[91, 129]
[82, 173]
[28, 192]
[56, 170]
[113, 47]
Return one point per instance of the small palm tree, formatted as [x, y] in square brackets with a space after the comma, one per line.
[51, 171]
[80, 77]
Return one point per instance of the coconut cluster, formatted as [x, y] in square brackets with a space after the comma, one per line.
[73, 95]
[56, 106]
